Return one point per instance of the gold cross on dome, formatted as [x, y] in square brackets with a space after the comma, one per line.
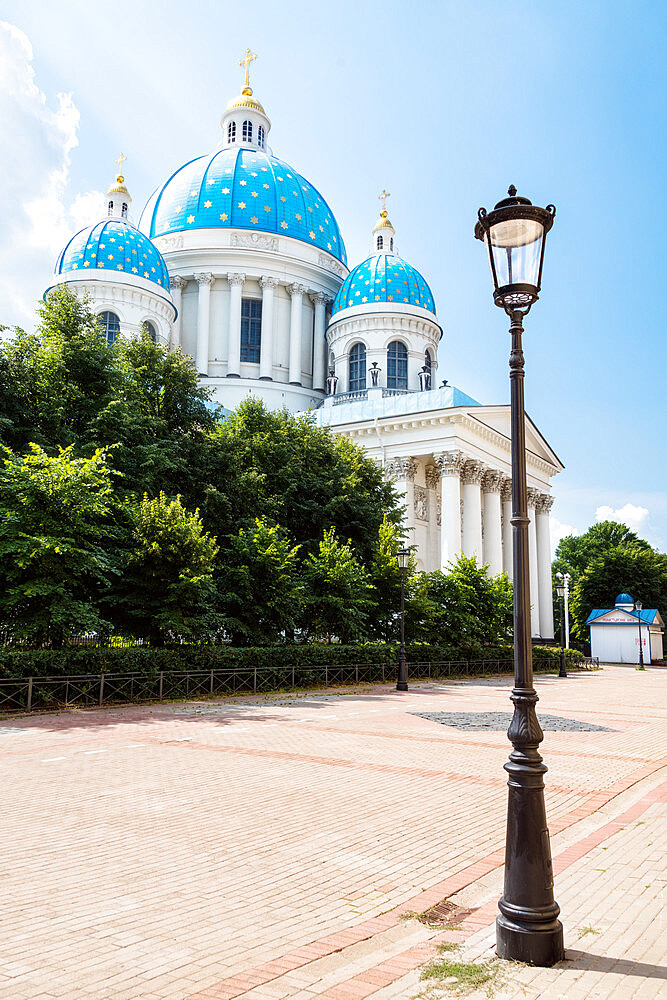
[383, 198]
[247, 59]
[120, 161]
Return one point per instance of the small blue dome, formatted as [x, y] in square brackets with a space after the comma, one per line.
[383, 277]
[240, 188]
[114, 245]
[624, 599]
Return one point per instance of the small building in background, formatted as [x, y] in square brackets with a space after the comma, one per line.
[616, 632]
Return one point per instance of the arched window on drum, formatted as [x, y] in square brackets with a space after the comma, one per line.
[357, 368]
[397, 365]
[110, 326]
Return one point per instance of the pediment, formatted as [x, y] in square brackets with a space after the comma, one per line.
[499, 419]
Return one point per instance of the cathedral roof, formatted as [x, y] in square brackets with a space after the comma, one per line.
[114, 245]
[383, 277]
[243, 188]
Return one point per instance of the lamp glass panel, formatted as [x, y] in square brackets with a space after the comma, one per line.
[403, 559]
[516, 245]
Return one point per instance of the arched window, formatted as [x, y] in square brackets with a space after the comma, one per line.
[260, 137]
[251, 329]
[379, 243]
[151, 331]
[110, 326]
[231, 132]
[357, 368]
[247, 131]
[124, 210]
[110, 209]
[397, 365]
[391, 243]
[428, 361]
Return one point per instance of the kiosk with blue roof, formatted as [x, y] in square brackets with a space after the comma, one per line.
[616, 632]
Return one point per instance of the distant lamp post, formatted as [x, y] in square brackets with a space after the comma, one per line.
[638, 609]
[402, 683]
[527, 929]
[560, 590]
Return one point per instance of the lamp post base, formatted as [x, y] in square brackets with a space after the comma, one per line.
[537, 944]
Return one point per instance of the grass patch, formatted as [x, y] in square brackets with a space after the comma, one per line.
[588, 929]
[449, 974]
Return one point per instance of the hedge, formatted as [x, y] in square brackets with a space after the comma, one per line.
[149, 661]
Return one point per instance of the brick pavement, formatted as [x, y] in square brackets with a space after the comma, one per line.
[268, 848]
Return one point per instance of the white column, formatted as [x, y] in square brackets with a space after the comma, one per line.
[508, 544]
[234, 340]
[472, 509]
[493, 539]
[295, 322]
[450, 464]
[205, 281]
[266, 344]
[319, 340]
[434, 518]
[177, 284]
[544, 505]
[403, 470]
[533, 496]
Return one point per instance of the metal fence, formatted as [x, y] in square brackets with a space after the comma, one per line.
[85, 690]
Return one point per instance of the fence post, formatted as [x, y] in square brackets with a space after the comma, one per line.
[292, 675]
[356, 673]
[29, 699]
[67, 691]
[211, 682]
[161, 684]
[254, 679]
[101, 688]
[326, 675]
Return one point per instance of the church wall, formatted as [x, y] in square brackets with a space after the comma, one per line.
[189, 319]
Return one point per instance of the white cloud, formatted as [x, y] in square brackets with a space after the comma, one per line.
[559, 531]
[36, 143]
[630, 514]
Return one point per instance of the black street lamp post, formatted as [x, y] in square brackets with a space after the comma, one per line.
[527, 928]
[638, 609]
[402, 682]
[560, 590]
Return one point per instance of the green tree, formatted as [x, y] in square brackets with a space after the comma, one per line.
[338, 602]
[297, 475]
[165, 589]
[55, 543]
[260, 592]
[385, 579]
[639, 571]
[575, 552]
[463, 607]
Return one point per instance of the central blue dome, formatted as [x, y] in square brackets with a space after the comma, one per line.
[383, 277]
[240, 188]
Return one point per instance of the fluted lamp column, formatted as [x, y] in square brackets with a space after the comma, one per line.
[527, 928]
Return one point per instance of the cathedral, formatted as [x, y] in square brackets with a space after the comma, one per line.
[239, 261]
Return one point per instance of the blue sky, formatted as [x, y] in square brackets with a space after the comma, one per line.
[444, 104]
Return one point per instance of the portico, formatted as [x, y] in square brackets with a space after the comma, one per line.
[450, 460]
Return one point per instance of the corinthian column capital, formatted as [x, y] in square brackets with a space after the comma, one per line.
[267, 282]
[450, 463]
[205, 279]
[473, 472]
[296, 289]
[544, 503]
[533, 496]
[401, 468]
[492, 481]
[177, 282]
[235, 278]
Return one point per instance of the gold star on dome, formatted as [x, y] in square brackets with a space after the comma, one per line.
[255, 194]
[190, 219]
[328, 246]
[254, 220]
[134, 270]
[365, 298]
[283, 225]
[224, 217]
[112, 240]
[146, 274]
[86, 263]
[241, 204]
[179, 208]
[283, 198]
[100, 264]
[298, 216]
[265, 186]
[267, 208]
[253, 173]
[311, 234]
[243, 183]
[193, 194]
[119, 267]
[321, 228]
[225, 190]
[310, 208]
[207, 204]
[109, 256]
[74, 267]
